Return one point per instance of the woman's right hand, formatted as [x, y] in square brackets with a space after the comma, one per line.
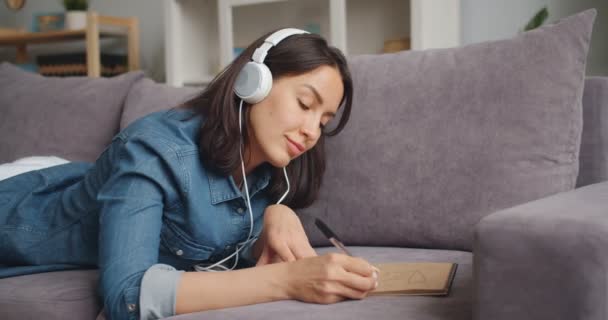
[330, 278]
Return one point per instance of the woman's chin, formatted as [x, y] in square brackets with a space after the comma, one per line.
[281, 161]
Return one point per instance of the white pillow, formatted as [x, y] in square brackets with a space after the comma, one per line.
[26, 164]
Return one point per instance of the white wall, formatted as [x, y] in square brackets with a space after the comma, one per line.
[7, 17]
[597, 61]
[437, 23]
[484, 20]
[498, 19]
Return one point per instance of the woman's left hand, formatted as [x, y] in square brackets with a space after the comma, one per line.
[282, 238]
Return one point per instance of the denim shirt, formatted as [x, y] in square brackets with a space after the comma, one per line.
[147, 206]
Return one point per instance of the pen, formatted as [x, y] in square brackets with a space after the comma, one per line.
[333, 238]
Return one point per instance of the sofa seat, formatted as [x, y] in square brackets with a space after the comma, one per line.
[457, 305]
[72, 295]
[52, 295]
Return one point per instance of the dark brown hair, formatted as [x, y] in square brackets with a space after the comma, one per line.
[219, 134]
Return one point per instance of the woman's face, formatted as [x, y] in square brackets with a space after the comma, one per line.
[288, 121]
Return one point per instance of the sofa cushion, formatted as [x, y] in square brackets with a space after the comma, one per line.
[594, 142]
[147, 96]
[51, 295]
[440, 138]
[456, 306]
[72, 118]
[72, 295]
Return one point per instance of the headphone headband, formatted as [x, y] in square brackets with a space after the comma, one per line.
[254, 81]
[260, 53]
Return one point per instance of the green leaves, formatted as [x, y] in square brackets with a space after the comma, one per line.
[73, 5]
[537, 20]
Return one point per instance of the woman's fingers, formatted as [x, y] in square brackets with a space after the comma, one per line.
[264, 257]
[358, 282]
[303, 251]
[276, 259]
[358, 266]
[357, 273]
[283, 250]
[338, 288]
[326, 279]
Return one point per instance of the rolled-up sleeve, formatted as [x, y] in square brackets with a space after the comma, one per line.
[158, 292]
[131, 208]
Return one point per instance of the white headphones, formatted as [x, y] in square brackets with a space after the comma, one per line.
[252, 85]
[254, 81]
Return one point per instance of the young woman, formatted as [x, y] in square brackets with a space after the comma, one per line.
[207, 186]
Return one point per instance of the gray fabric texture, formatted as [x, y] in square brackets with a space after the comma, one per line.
[440, 138]
[544, 260]
[147, 96]
[456, 306]
[73, 118]
[37, 295]
[53, 295]
[594, 144]
[158, 292]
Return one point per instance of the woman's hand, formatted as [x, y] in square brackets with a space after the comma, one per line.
[330, 278]
[282, 238]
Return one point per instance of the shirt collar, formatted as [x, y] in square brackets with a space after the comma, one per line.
[223, 188]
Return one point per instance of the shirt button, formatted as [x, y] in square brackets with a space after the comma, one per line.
[179, 252]
[131, 307]
[240, 210]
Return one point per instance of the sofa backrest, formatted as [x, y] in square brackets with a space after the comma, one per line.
[147, 96]
[594, 142]
[440, 138]
[73, 118]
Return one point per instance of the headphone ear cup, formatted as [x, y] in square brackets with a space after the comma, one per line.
[253, 82]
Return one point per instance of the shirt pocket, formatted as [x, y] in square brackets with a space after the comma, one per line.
[181, 245]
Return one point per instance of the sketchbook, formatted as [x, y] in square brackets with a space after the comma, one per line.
[415, 278]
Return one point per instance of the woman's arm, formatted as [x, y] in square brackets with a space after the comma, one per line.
[131, 203]
[321, 279]
[198, 291]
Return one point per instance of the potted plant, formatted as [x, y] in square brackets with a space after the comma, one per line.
[76, 14]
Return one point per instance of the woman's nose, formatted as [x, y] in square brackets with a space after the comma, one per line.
[311, 129]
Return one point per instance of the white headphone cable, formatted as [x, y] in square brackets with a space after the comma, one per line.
[240, 245]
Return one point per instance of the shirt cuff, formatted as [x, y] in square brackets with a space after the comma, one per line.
[158, 292]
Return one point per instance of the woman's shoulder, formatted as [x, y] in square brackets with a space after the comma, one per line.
[176, 127]
[168, 117]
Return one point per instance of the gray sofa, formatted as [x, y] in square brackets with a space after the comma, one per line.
[492, 155]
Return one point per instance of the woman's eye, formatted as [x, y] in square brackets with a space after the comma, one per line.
[303, 105]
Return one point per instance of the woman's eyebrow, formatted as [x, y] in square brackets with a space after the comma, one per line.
[317, 95]
[319, 99]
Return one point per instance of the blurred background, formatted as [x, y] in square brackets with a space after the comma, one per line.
[186, 42]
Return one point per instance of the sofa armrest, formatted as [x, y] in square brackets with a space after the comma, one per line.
[546, 259]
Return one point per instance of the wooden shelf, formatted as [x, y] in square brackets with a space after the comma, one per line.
[97, 27]
[50, 36]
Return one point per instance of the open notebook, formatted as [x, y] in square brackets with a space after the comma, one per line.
[415, 278]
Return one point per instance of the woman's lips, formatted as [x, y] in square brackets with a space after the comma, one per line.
[294, 148]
